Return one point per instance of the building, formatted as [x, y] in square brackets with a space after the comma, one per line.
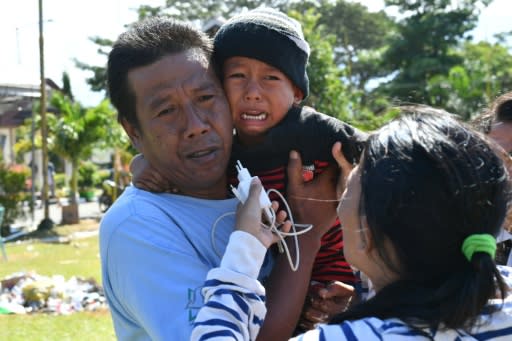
[17, 102]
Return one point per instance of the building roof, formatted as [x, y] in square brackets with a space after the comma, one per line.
[14, 118]
[17, 100]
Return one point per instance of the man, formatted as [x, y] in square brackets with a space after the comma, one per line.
[496, 122]
[500, 129]
[156, 249]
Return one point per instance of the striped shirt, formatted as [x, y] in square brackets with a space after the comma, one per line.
[235, 307]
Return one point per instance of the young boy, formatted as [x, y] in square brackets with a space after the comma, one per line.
[261, 57]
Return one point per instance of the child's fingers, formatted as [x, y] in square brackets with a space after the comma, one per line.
[338, 155]
[346, 167]
[286, 226]
[294, 170]
[336, 289]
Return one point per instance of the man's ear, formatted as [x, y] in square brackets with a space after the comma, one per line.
[133, 133]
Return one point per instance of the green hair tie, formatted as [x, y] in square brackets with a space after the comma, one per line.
[479, 243]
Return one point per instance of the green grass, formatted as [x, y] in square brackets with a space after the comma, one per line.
[79, 257]
[78, 326]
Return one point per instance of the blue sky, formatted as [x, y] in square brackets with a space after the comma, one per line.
[73, 22]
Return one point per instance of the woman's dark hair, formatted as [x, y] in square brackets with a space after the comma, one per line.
[143, 44]
[428, 182]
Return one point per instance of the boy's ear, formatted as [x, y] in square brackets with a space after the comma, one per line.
[298, 95]
[133, 133]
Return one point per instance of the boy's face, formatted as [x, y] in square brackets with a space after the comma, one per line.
[259, 96]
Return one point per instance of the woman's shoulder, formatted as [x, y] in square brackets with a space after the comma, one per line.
[370, 328]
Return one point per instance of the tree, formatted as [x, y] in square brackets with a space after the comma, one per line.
[66, 85]
[485, 73]
[198, 11]
[12, 194]
[115, 138]
[327, 93]
[98, 80]
[73, 133]
[360, 38]
[68, 137]
[421, 49]
[202, 10]
[347, 43]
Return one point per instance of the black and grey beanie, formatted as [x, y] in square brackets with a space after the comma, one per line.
[269, 36]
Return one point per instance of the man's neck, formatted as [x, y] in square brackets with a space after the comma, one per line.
[215, 192]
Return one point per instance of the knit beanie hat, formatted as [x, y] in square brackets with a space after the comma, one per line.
[269, 36]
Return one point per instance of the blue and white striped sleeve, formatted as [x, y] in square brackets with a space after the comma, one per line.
[234, 300]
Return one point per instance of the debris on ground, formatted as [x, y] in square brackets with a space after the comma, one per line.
[26, 293]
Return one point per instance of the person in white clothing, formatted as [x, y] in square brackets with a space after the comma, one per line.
[421, 212]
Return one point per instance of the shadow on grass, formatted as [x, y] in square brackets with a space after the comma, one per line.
[57, 233]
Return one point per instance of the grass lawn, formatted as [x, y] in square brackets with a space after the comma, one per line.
[78, 257]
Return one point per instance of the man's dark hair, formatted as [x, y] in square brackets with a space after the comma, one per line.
[499, 111]
[502, 108]
[143, 44]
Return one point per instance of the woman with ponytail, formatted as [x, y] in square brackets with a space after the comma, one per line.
[420, 214]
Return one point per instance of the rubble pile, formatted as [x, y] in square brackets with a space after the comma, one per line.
[23, 293]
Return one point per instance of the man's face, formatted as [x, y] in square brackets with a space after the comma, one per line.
[185, 127]
[501, 133]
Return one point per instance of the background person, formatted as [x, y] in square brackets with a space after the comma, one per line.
[496, 122]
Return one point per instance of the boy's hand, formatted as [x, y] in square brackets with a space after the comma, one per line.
[249, 215]
[145, 177]
[324, 302]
